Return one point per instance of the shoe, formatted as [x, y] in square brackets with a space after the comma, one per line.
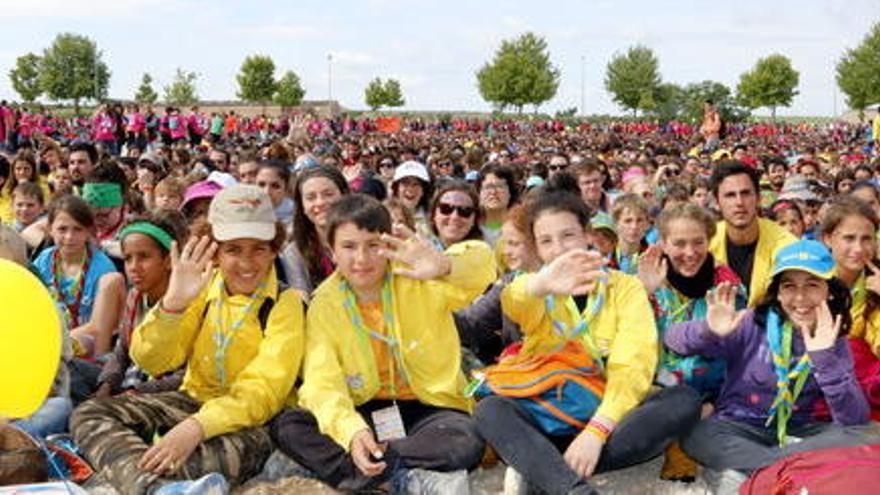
[678, 466]
[210, 484]
[724, 482]
[424, 482]
[514, 483]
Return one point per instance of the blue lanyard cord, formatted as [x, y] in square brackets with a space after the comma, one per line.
[222, 336]
[627, 263]
[387, 338]
[675, 310]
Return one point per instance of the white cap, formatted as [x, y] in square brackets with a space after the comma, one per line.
[411, 168]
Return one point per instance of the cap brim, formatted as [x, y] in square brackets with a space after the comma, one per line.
[827, 275]
[244, 230]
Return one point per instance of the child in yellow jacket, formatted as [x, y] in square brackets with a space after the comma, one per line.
[241, 336]
[574, 298]
[383, 389]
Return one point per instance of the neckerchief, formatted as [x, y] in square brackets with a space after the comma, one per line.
[693, 287]
[387, 337]
[224, 336]
[627, 263]
[779, 340]
[857, 308]
[76, 287]
[582, 321]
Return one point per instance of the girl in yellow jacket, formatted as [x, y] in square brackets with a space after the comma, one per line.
[241, 337]
[382, 396]
[613, 310]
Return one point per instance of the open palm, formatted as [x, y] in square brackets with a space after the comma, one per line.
[721, 315]
[190, 272]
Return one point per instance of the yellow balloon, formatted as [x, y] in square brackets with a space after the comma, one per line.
[30, 341]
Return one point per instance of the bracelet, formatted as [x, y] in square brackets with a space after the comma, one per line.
[598, 429]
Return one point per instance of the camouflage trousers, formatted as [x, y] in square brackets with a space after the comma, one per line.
[113, 434]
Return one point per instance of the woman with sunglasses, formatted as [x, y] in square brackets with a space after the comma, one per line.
[454, 214]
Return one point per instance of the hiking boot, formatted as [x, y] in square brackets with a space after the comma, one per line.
[678, 466]
[514, 483]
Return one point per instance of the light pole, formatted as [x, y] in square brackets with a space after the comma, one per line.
[583, 97]
[329, 77]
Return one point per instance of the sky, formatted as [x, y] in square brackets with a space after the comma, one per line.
[434, 47]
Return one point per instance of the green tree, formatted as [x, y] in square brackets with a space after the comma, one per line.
[374, 94]
[633, 78]
[771, 83]
[145, 92]
[670, 102]
[256, 79]
[72, 69]
[520, 74]
[182, 90]
[25, 77]
[695, 94]
[289, 92]
[858, 72]
[393, 93]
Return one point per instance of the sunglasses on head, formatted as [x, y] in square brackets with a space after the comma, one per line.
[463, 211]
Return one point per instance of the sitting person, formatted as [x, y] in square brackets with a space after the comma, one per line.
[238, 372]
[146, 249]
[611, 317]
[382, 391]
[782, 357]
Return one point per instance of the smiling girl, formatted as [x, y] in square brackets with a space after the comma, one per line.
[239, 370]
[454, 214]
[316, 190]
[574, 301]
[782, 357]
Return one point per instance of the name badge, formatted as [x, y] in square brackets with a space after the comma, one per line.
[388, 424]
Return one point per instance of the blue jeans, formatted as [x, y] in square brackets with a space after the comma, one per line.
[50, 418]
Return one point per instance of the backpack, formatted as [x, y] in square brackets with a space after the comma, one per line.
[835, 470]
[561, 390]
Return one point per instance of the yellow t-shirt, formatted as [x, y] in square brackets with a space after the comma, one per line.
[371, 313]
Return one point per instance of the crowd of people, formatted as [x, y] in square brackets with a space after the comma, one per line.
[393, 309]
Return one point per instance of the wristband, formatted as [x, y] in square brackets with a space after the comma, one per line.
[598, 429]
[165, 310]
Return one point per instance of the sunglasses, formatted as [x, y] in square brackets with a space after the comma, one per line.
[463, 211]
[557, 168]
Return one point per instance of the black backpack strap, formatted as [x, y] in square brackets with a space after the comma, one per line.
[265, 308]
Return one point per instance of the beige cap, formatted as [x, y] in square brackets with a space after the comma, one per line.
[242, 211]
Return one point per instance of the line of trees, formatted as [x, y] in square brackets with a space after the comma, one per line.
[520, 73]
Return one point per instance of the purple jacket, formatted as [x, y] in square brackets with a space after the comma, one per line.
[750, 385]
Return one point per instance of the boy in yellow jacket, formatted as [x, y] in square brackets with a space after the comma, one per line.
[383, 388]
[242, 356]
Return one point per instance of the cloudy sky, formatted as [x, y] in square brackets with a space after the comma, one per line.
[434, 47]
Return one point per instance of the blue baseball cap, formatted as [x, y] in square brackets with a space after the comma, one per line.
[807, 256]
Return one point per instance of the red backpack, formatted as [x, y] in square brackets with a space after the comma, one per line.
[838, 470]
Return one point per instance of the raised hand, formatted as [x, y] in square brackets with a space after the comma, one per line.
[652, 268]
[418, 258]
[826, 332]
[574, 273]
[190, 272]
[721, 314]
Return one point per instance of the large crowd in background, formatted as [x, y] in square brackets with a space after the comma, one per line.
[389, 310]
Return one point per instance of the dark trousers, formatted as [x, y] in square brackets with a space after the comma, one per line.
[437, 439]
[642, 435]
[114, 434]
[720, 444]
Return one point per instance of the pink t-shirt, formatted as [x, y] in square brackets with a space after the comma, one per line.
[177, 126]
[136, 122]
[197, 123]
[104, 128]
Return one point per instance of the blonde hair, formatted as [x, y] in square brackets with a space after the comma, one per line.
[632, 202]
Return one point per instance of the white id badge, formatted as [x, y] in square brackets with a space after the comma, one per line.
[388, 424]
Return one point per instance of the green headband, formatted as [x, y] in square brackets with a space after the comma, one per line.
[160, 235]
[102, 194]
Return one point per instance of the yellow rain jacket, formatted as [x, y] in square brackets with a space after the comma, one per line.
[770, 238]
[260, 365]
[340, 371]
[623, 331]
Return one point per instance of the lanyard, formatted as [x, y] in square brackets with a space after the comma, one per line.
[222, 336]
[628, 263]
[387, 338]
[76, 287]
[779, 340]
